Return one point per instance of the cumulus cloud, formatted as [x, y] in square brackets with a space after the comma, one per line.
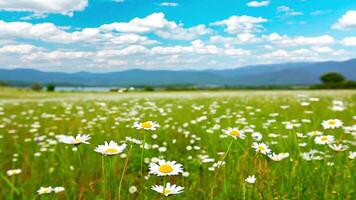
[63, 7]
[322, 49]
[349, 41]
[18, 49]
[347, 21]
[158, 24]
[258, 3]
[243, 38]
[49, 32]
[44, 31]
[285, 40]
[294, 55]
[241, 24]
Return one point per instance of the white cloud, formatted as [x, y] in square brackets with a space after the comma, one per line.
[322, 49]
[348, 20]
[49, 32]
[243, 38]
[132, 39]
[64, 7]
[158, 24]
[287, 11]
[294, 55]
[257, 3]
[169, 4]
[184, 33]
[285, 40]
[44, 31]
[18, 49]
[349, 41]
[241, 24]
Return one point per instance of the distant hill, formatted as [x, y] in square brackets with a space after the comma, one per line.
[272, 74]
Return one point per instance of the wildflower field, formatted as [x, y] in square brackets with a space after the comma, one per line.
[203, 145]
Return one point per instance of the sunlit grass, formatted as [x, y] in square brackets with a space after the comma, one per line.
[191, 133]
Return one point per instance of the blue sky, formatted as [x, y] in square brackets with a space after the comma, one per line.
[113, 35]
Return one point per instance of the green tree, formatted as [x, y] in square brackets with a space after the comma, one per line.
[36, 87]
[148, 89]
[50, 88]
[332, 77]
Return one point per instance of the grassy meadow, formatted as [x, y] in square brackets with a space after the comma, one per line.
[193, 132]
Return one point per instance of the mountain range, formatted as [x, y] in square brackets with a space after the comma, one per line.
[271, 74]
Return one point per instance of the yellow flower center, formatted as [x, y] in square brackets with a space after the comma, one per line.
[332, 122]
[77, 141]
[235, 133]
[46, 190]
[167, 191]
[324, 138]
[261, 148]
[165, 168]
[111, 151]
[147, 125]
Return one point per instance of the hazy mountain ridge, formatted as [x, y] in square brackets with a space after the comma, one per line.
[272, 74]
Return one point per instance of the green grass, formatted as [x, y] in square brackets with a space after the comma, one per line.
[111, 116]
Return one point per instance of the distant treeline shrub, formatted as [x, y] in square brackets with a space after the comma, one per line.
[334, 80]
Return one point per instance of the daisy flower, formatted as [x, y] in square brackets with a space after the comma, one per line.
[324, 139]
[261, 147]
[133, 189]
[12, 172]
[251, 179]
[58, 189]
[148, 125]
[235, 133]
[110, 149]
[338, 148]
[352, 155]
[164, 168]
[278, 157]
[79, 139]
[168, 189]
[44, 190]
[133, 140]
[256, 136]
[331, 123]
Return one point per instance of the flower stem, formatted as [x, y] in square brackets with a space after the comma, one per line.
[217, 172]
[124, 170]
[142, 151]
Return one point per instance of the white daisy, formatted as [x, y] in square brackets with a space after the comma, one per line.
[45, 190]
[261, 147]
[79, 139]
[164, 168]
[256, 136]
[338, 148]
[133, 140]
[331, 123]
[110, 149]
[278, 157]
[133, 189]
[148, 125]
[168, 189]
[352, 155]
[324, 139]
[251, 179]
[59, 189]
[235, 133]
[12, 172]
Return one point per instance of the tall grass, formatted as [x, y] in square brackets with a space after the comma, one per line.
[28, 141]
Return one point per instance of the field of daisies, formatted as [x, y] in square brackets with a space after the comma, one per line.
[247, 145]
